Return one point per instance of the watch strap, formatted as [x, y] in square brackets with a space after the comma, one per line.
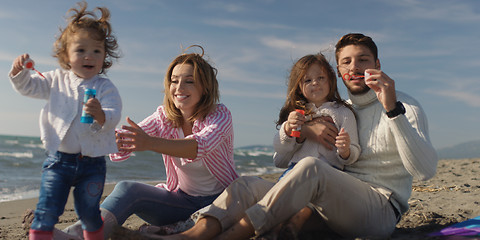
[399, 109]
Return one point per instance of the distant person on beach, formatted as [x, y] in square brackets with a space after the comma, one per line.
[368, 198]
[76, 150]
[194, 134]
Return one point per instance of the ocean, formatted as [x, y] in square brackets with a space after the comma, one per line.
[21, 159]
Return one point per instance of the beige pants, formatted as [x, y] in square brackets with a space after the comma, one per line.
[347, 205]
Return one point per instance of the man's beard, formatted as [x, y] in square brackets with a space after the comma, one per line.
[357, 90]
[360, 91]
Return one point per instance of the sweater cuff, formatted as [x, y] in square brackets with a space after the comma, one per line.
[95, 126]
[284, 138]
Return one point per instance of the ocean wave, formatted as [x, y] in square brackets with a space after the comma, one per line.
[33, 145]
[21, 142]
[19, 195]
[17, 154]
[253, 153]
[12, 142]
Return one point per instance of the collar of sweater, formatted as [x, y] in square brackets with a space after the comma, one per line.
[363, 100]
[78, 79]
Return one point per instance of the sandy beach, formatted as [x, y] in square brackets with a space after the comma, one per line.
[452, 196]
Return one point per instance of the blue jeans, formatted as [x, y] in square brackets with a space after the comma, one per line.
[60, 172]
[290, 167]
[154, 205]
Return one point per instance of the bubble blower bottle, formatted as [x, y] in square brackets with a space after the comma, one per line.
[296, 132]
[89, 93]
[30, 65]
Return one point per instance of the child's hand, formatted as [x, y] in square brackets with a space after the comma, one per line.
[18, 63]
[94, 108]
[295, 119]
[343, 144]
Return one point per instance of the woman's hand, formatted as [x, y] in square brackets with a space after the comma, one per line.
[134, 140]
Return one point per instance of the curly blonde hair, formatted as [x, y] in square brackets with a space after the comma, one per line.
[98, 29]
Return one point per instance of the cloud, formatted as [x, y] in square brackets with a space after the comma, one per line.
[231, 73]
[147, 68]
[297, 48]
[246, 25]
[252, 94]
[8, 14]
[225, 7]
[133, 6]
[448, 11]
[8, 57]
[44, 60]
[468, 98]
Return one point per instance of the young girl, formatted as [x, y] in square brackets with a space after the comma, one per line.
[76, 150]
[194, 134]
[312, 87]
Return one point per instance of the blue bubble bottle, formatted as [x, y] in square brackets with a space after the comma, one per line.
[89, 93]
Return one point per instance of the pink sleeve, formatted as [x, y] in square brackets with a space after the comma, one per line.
[213, 132]
[215, 144]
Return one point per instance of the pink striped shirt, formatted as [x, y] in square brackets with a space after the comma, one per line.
[214, 136]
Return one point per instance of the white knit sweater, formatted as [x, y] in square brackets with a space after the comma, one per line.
[393, 150]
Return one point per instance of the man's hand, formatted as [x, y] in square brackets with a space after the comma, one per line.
[383, 86]
[321, 130]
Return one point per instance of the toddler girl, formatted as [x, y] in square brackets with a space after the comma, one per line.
[312, 87]
[76, 151]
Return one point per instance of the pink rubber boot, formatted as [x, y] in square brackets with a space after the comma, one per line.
[40, 235]
[97, 235]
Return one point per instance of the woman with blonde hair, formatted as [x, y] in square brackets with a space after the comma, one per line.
[194, 134]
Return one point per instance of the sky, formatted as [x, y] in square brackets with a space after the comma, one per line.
[430, 48]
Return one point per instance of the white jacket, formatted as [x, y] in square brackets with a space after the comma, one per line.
[64, 92]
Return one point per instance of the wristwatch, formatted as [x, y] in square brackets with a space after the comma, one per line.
[399, 109]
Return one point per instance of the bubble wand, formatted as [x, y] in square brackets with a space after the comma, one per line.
[29, 64]
[347, 76]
